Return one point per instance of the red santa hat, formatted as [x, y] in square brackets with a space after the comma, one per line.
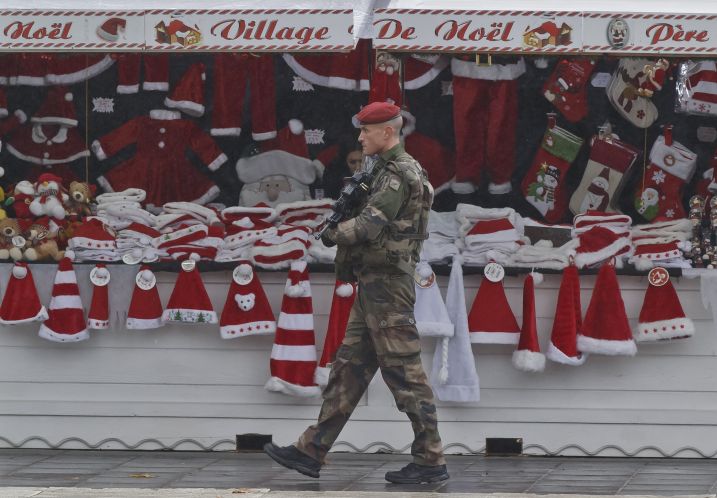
[290, 243]
[181, 236]
[491, 321]
[291, 138]
[495, 230]
[247, 310]
[309, 213]
[139, 232]
[600, 243]
[57, 108]
[606, 329]
[188, 94]
[93, 234]
[145, 308]
[189, 302]
[111, 29]
[66, 321]
[343, 300]
[293, 356]
[261, 215]
[430, 312]
[3, 104]
[99, 316]
[21, 303]
[568, 321]
[527, 356]
[662, 316]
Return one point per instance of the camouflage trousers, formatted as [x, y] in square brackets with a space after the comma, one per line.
[381, 333]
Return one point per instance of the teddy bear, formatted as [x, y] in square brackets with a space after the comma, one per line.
[12, 244]
[79, 199]
[22, 195]
[43, 245]
[48, 197]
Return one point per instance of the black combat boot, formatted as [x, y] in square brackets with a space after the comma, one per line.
[417, 474]
[291, 458]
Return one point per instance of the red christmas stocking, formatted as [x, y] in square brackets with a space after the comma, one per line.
[567, 88]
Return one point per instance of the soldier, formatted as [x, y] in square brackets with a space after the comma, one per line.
[379, 248]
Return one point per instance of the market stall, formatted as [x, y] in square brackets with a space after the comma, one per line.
[165, 170]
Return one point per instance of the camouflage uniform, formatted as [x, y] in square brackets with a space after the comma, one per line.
[380, 248]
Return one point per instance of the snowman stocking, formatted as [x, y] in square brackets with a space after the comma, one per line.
[671, 167]
[567, 88]
[610, 161]
[544, 185]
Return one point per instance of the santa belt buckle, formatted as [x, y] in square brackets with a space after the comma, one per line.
[488, 60]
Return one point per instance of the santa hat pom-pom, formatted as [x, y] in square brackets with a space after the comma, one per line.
[69, 96]
[245, 270]
[19, 271]
[344, 290]
[537, 277]
[20, 115]
[296, 126]
[194, 256]
[642, 264]
[424, 270]
[146, 275]
[296, 290]
[70, 254]
[389, 70]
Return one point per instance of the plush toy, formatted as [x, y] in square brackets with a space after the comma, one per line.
[23, 194]
[43, 245]
[48, 197]
[78, 202]
[12, 244]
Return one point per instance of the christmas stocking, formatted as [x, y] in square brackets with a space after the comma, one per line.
[544, 185]
[567, 88]
[610, 161]
[671, 167]
[385, 80]
[632, 85]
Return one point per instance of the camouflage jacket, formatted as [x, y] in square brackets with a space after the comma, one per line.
[388, 231]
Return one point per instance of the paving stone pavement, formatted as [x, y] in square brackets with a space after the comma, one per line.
[47, 470]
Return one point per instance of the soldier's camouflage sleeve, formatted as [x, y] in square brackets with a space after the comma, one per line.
[382, 207]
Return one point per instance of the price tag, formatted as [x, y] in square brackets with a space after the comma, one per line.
[100, 276]
[494, 272]
[658, 276]
[189, 265]
[424, 282]
[131, 259]
[240, 277]
[145, 280]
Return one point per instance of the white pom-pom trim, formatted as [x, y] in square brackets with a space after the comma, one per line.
[19, 271]
[70, 254]
[69, 96]
[537, 277]
[146, 275]
[195, 257]
[295, 290]
[344, 290]
[296, 126]
[424, 270]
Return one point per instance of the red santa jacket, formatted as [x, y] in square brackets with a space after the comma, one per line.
[47, 144]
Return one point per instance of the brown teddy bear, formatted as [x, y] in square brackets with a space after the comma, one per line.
[12, 244]
[80, 197]
[43, 244]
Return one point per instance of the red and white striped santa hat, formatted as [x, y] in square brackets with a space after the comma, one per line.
[293, 356]
[98, 317]
[145, 308]
[21, 303]
[341, 303]
[66, 322]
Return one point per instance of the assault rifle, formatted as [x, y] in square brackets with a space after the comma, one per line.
[355, 189]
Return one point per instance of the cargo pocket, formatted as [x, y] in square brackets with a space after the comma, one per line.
[396, 335]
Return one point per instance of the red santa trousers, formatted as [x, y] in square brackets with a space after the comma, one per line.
[156, 72]
[231, 73]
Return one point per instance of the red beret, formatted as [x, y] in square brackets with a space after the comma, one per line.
[378, 112]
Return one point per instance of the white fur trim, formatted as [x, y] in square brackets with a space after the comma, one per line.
[98, 324]
[266, 327]
[3, 112]
[435, 329]
[299, 266]
[321, 375]
[588, 258]
[537, 277]
[28, 80]
[41, 316]
[409, 123]
[430, 75]
[65, 277]
[186, 106]
[211, 316]
[320, 168]
[267, 135]
[280, 385]
[98, 150]
[144, 323]
[296, 126]
[344, 290]
[46, 333]
[495, 337]
[44, 161]
[463, 187]
[164, 114]
[225, 132]
[155, 86]
[293, 353]
[328, 81]
[221, 159]
[209, 196]
[494, 72]
[556, 355]
[528, 361]
[82, 74]
[127, 89]
[20, 115]
[279, 250]
[66, 302]
[677, 328]
[499, 188]
[608, 347]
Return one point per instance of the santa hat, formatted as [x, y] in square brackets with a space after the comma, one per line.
[3, 104]
[66, 322]
[568, 321]
[343, 300]
[188, 95]
[256, 217]
[57, 108]
[606, 329]
[430, 311]
[140, 233]
[291, 138]
[290, 243]
[189, 302]
[99, 316]
[293, 356]
[489, 231]
[527, 356]
[92, 234]
[600, 243]
[309, 213]
[21, 303]
[111, 29]
[491, 321]
[454, 376]
[145, 308]
[662, 316]
[247, 310]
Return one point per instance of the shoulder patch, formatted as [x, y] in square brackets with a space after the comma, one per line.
[394, 183]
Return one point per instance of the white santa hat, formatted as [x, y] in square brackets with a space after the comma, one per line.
[189, 302]
[430, 311]
[491, 321]
[145, 308]
[293, 356]
[98, 317]
[247, 310]
[662, 317]
[606, 329]
[66, 321]
[188, 94]
[21, 303]
[343, 300]
[527, 355]
[568, 321]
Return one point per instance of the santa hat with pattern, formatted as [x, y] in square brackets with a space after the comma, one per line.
[491, 321]
[662, 317]
[568, 321]
[66, 321]
[188, 94]
[145, 308]
[430, 312]
[606, 329]
[21, 303]
[99, 316]
[57, 108]
[293, 356]
[527, 355]
[343, 300]
[247, 310]
[189, 302]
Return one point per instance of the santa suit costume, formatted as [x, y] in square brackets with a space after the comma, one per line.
[42, 69]
[485, 115]
[160, 166]
[231, 74]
